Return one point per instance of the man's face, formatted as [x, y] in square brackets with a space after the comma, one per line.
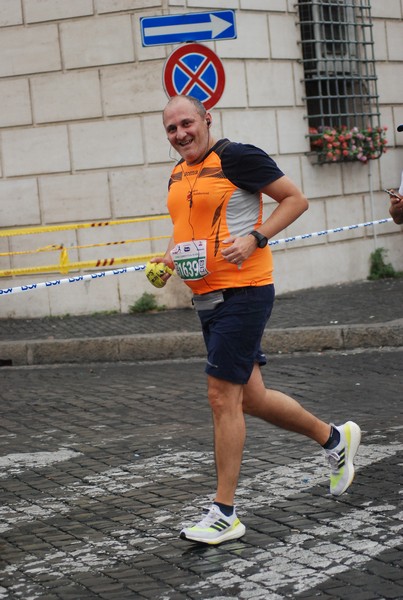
[187, 130]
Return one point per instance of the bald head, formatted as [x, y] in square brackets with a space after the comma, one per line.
[191, 99]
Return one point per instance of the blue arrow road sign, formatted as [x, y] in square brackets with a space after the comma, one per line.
[192, 27]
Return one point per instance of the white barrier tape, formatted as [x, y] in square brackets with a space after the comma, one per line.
[90, 276]
[55, 282]
[306, 236]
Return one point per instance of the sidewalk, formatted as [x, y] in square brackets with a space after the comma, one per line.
[361, 314]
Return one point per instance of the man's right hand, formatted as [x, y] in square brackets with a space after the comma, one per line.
[158, 272]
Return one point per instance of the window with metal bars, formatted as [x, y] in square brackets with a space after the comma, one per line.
[339, 73]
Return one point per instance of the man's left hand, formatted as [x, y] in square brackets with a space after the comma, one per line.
[239, 249]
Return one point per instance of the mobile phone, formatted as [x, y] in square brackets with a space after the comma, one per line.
[392, 193]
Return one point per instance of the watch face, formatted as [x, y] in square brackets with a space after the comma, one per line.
[260, 238]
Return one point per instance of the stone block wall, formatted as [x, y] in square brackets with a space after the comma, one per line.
[81, 140]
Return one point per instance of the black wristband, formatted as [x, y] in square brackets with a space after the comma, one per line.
[261, 239]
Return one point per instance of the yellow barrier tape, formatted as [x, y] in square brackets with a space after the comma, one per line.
[53, 247]
[70, 226]
[105, 262]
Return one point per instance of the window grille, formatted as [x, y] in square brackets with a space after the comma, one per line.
[339, 64]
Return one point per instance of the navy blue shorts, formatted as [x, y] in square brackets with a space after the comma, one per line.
[233, 332]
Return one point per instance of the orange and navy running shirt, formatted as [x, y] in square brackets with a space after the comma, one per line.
[212, 201]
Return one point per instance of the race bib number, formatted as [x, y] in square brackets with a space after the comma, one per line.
[190, 260]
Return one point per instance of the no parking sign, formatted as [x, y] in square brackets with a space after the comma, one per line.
[194, 70]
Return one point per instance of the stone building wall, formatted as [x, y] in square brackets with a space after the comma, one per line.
[81, 140]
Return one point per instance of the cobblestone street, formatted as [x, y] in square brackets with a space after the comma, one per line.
[101, 465]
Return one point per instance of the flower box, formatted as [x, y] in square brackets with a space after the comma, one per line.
[341, 144]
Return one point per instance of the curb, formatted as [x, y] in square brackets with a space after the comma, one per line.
[174, 345]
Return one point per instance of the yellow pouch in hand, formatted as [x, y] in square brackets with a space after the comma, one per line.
[155, 272]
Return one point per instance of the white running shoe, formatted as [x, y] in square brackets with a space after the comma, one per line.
[341, 458]
[214, 528]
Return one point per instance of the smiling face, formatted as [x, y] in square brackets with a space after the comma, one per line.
[187, 129]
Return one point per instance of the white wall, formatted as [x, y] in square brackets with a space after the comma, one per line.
[81, 141]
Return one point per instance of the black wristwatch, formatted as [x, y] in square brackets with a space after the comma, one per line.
[262, 240]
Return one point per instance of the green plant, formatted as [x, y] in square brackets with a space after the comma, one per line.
[378, 268]
[340, 144]
[145, 303]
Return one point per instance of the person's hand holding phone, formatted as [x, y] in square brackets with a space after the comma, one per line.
[396, 206]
